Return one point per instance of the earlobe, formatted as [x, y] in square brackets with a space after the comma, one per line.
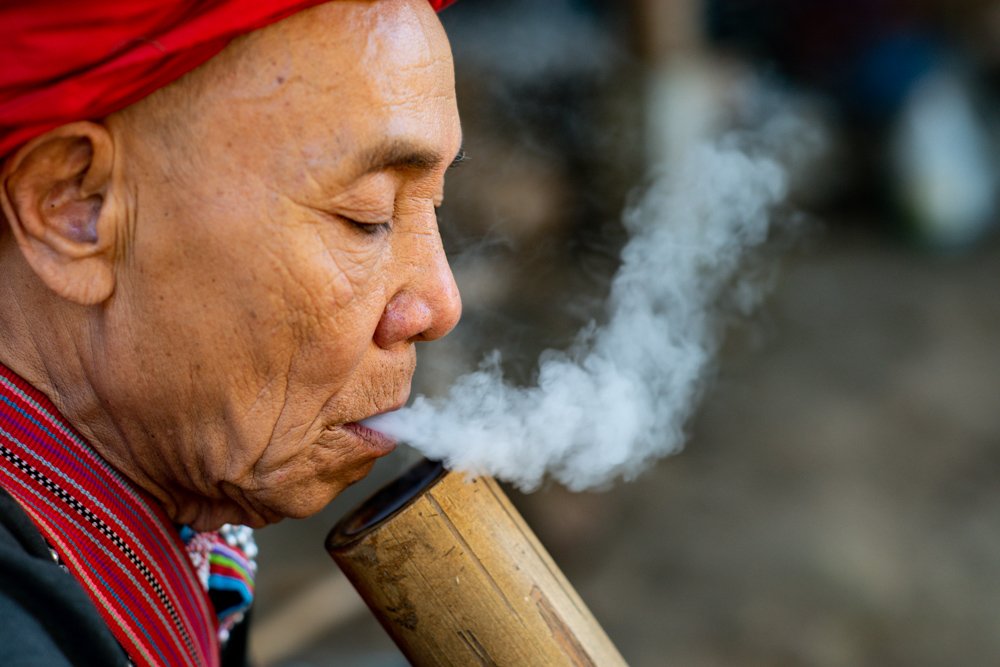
[56, 196]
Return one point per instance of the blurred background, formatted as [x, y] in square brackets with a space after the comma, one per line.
[838, 501]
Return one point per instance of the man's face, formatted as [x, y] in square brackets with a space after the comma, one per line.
[284, 261]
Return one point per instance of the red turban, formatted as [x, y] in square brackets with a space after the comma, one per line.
[67, 60]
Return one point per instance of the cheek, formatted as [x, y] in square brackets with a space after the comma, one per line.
[340, 291]
[353, 276]
[324, 303]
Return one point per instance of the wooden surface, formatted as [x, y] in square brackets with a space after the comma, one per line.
[458, 578]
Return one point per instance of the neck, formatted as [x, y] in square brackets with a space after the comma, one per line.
[36, 331]
[49, 342]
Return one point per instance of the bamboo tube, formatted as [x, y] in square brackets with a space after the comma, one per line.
[456, 577]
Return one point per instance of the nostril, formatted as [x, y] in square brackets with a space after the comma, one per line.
[406, 317]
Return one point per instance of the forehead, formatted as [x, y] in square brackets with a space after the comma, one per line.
[330, 81]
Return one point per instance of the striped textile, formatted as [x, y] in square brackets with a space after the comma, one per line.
[116, 541]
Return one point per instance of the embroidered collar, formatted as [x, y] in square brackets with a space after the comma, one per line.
[116, 541]
[226, 567]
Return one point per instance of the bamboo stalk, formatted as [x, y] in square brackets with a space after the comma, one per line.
[456, 577]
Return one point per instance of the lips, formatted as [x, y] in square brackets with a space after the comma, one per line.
[379, 443]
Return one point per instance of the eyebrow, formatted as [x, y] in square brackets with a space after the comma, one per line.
[402, 154]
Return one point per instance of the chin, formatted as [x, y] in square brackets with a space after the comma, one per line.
[300, 500]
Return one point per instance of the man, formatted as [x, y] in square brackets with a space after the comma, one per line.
[203, 292]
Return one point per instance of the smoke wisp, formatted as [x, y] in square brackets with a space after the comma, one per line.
[619, 398]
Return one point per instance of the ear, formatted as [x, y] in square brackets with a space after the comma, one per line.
[55, 196]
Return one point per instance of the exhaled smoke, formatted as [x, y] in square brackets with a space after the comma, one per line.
[620, 397]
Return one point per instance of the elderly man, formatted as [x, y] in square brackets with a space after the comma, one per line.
[214, 264]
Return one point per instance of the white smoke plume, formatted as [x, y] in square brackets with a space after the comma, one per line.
[619, 398]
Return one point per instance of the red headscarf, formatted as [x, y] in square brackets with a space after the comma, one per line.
[66, 60]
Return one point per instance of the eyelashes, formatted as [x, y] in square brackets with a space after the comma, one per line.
[378, 228]
[369, 228]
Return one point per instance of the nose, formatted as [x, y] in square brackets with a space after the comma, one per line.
[426, 308]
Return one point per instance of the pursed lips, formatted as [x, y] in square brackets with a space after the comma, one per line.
[379, 443]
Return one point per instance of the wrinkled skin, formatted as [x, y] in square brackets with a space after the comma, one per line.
[213, 284]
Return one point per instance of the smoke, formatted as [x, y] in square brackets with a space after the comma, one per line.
[620, 396]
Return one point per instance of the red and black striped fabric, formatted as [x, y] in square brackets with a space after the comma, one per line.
[113, 539]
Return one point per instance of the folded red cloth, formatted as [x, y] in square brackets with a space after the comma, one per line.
[66, 60]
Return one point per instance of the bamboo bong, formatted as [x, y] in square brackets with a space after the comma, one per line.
[456, 577]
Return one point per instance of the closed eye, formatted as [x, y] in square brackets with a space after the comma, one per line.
[370, 228]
